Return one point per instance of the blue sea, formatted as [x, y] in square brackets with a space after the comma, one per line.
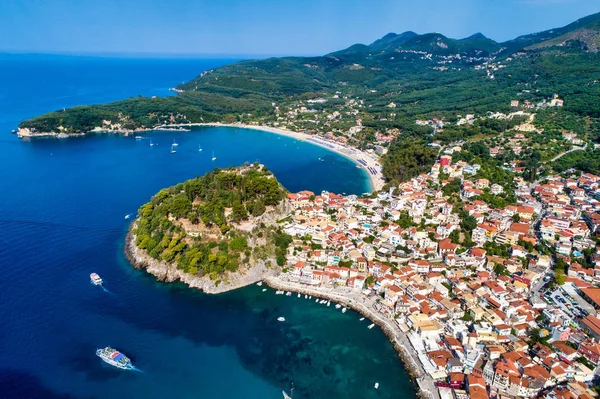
[62, 208]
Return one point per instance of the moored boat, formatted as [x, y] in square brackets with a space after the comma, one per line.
[95, 278]
[115, 358]
[371, 326]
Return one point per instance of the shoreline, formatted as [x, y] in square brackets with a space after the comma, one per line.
[168, 273]
[353, 154]
[376, 181]
[425, 384]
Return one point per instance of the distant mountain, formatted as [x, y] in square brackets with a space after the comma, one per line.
[586, 29]
[419, 75]
[392, 40]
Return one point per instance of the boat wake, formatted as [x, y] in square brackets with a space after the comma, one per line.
[138, 370]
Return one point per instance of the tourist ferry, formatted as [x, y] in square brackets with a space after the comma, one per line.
[95, 278]
[115, 358]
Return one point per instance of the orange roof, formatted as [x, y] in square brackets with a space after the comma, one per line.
[593, 294]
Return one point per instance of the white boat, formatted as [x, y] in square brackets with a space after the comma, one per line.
[310, 297]
[361, 319]
[298, 295]
[286, 396]
[138, 137]
[264, 289]
[281, 318]
[344, 310]
[371, 326]
[337, 306]
[95, 278]
[115, 358]
[317, 300]
[328, 303]
[213, 156]
[151, 143]
[305, 296]
[174, 143]
[259, 283]
[376, 385]
[127, 216]
[173, 151]
[199, 148]
[279, 292]
[288, 294]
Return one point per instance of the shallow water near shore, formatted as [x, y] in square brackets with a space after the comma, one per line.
[62, 208]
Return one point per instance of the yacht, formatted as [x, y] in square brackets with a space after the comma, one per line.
[371, 326]
[344, 310]
[95, 279]
[281, 319]
[213, 156]
[199, 148]
[115, 358]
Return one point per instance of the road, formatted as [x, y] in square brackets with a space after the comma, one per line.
[566, 152]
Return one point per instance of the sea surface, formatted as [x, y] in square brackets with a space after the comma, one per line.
[62, 208]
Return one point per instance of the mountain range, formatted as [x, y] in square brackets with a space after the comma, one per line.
[384, 86]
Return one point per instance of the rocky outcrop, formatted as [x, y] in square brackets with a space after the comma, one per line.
[169, 273]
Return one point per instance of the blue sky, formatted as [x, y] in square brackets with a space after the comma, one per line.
[262, 27]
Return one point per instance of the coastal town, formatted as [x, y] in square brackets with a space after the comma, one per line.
[481, 299]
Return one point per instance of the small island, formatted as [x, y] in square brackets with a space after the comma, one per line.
[216, 232]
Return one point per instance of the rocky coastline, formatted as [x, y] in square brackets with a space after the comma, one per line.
[169, 273]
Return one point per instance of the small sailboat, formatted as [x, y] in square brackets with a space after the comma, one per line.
[213, 156]
[199, 148]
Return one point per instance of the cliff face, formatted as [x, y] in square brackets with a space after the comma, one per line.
[169, 273]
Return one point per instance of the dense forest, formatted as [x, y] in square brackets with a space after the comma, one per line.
[213, 205]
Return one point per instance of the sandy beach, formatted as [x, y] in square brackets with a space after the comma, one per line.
[377, 180]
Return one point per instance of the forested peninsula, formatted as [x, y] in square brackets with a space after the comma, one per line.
[215, 232]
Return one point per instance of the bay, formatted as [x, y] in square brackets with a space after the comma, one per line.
[62, 208]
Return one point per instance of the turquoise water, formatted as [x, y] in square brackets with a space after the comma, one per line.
[62, 207]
